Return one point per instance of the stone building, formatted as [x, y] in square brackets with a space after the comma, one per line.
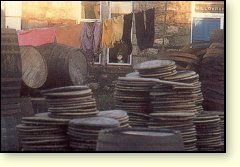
[176, 25]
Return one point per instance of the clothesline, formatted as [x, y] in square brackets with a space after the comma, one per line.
[101, 34]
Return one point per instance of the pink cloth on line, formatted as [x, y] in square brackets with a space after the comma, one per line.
[37, 37]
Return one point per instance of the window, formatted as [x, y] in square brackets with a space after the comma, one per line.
[90, 11]
[206, 17]
[12, 13]
[119, 56]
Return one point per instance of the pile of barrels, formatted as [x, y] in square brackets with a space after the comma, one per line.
[52, 65]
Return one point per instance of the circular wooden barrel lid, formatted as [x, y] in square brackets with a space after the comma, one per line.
[44, 121]
[117, 114]
[69, 93]
[153, 64]
[95, 122]
[34, 67]
[44, 114]
[66, 89]
[133, 74]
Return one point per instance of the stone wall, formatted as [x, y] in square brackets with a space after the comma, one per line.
[172, 27]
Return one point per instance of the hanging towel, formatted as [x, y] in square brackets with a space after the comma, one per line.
[145, 35]
[69, 35]
[37, 37]
[107, 34]
[117, 26]
[127, 28]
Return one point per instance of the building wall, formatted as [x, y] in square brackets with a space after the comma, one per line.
[37, 14]
[172, 27]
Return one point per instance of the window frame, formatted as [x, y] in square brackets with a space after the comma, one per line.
[19, 26]
[198, 15]
[110, 16]
[79, 15]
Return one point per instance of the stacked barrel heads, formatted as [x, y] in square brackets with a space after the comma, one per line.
[11, 70]
[132, 95]
[84, 132]
[119, 115]
[70, 102]
[174, 107]
[190, 77]
[208, 132]
[212, 77]
[184, 60]
[42, 133]
[156, 69]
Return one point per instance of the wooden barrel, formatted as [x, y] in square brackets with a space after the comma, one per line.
[34, 67]
[10, 64]
[139, 139]
[10, 54]
[66, 65]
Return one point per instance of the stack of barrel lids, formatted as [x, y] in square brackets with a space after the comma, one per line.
[132, 95]
[70, 102]
[184, 60]
[42, 133]
[222, 122]
[119, 115]
[156, 69]
[11, 70]
[190, 77]
[212, 77]
[84, 132]
[208, 132]
[174, 107]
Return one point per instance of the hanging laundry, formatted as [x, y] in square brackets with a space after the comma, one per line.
[107, 34]
[149, 33]
[87, 37]
[37, 37]
[112, 31]
[91, 40]
[127, 28]
[145, 35]
[140, 30]
[97, 39]
[117, 26]
[69, 35]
